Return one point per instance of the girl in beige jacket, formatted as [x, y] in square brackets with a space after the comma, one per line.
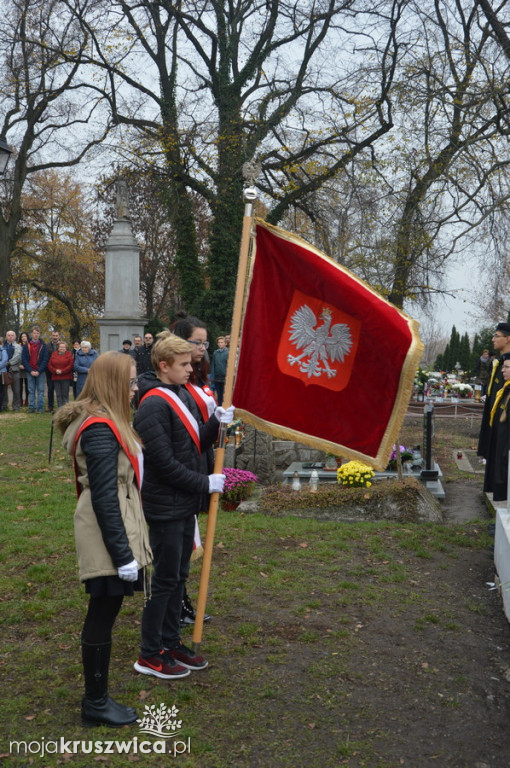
[110, 530]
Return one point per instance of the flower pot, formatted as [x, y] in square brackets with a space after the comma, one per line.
[229, 506]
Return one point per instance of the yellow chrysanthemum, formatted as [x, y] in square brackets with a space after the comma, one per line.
[355, 473]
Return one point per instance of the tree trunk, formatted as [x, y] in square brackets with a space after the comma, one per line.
[7, 244]
[5, 275]
[227, 217]
[191, 283]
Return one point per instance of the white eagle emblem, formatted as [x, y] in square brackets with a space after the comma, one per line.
[318, 343]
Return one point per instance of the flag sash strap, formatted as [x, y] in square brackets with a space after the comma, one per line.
[204, 401]
[135, 460]
[180, 409]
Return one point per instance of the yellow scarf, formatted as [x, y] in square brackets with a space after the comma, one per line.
[498, 398]
[495, 364]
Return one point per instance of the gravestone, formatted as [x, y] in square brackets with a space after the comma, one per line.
[430, 471]
[257, 455]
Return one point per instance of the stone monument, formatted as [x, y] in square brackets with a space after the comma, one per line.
[122, 317]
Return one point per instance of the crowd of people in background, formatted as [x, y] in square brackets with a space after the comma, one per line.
[40, 376]
[35, 372]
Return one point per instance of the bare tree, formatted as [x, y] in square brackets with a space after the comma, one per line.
[302, 85]
[437, 187]
[454, 162]
[50, 111]
[494, 16]
[434, 339]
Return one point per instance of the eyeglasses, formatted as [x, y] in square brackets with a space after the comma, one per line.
[204, 344]
[133, 383]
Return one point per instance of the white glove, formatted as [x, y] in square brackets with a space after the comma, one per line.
[128, 572]
[216, 483]
[225, 416]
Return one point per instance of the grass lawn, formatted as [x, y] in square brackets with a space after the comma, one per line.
[331, 644]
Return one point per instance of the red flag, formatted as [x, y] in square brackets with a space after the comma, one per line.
[324, 360]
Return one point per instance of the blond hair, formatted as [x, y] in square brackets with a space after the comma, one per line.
[107, 389]
[167, 347]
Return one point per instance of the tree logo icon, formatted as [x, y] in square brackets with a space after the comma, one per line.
[160, 721]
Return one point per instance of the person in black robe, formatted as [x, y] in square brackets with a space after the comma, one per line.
[496, 469]
[501, 343]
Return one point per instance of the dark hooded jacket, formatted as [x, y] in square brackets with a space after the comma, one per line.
[175, 483]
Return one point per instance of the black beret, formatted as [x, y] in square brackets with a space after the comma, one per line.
[504, 328]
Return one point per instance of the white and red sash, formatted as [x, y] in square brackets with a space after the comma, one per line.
[136, 461]
[180, 409]
[204, 399]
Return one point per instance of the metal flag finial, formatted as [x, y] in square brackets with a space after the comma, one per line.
[251, 171]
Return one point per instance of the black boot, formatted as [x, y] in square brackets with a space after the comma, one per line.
[97, 708]
[188, 613]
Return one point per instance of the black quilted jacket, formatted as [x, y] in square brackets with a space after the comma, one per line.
[101, 449]
[175, 484]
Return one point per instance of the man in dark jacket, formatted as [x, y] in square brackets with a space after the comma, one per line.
[483, 370]
[143, 355]
[175, 488]
[126, 347]
[218, 372]
[34, 359]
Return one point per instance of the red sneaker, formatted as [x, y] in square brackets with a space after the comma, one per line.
[162, 666]
[186, 657]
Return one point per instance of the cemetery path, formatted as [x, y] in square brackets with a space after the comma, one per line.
[463, 502]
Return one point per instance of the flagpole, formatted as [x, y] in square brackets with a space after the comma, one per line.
[250, 171]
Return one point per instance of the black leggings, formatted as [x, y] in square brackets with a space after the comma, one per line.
[100, 618]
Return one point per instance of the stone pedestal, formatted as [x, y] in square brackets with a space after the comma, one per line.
[122, 317]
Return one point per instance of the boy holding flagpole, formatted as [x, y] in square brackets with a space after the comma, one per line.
[175, 488]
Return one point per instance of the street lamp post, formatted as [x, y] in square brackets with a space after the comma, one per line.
[5, 153]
